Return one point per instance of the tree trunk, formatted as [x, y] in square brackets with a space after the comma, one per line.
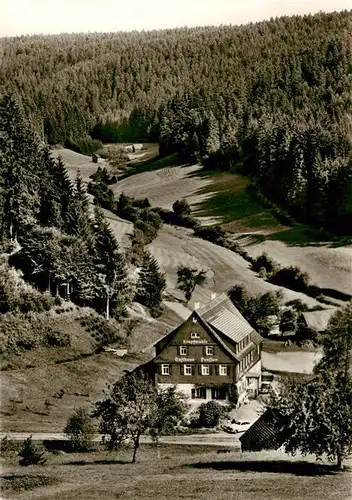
[135, 449]
[339, 461]
[107, 311]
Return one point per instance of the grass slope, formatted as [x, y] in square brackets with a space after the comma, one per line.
[183, 472]
[233, 205]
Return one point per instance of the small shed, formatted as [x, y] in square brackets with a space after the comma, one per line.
[317, 320]
[96, 158]
[269, 432]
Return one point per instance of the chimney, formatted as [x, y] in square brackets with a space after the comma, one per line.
[213, 296]
[196, 305]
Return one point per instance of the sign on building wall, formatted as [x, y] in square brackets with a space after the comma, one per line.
[196, 341]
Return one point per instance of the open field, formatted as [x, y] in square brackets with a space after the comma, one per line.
[176, 246]
[164, 186]
[180, 472]
[327, 267]
[228, 200]
[76, 161]
[222, 198]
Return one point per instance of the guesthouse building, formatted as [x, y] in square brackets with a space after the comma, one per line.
[214, 354]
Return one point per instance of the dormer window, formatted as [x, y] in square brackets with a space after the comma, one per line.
[195, 335]
[209, 350]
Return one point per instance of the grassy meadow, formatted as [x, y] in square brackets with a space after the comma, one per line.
[197, 472]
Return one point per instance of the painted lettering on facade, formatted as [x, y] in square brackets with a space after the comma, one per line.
[208, 360]
[195, 341]
[184, 360]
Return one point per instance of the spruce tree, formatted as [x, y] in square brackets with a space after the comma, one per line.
[78, 215]
[50, 210]
[20, 169]
[64, 188]
[112, 281]
[151, 284]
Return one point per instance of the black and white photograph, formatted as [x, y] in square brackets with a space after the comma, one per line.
[175, 250]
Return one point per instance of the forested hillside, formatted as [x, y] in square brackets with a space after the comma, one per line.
[48, 232]
[271, 97]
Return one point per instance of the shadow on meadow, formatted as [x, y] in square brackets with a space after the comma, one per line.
[278, 466]
[108, 461]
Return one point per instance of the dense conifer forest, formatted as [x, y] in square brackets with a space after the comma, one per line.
[48, 232]
[271, 98]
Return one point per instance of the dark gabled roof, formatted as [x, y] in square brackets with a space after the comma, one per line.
[221, 318]
[222, 315]
[170, 336]
[269, 432]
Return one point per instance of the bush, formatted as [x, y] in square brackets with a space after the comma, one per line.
[239, 296]
[299, 306]
[30, 454]
[181, 208]
[263, 261]
[291, 277]
[80, 430]
[57, 339]
[8, 446]
[210, 414]
[103, 331]
[214, 234]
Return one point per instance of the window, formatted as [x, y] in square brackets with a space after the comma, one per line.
[199, 393]
[205, 369]
[165, 369]
[218, 393]
[222, 370]
[183, 351]
[187, 369]
[209, 350]
[195, 335]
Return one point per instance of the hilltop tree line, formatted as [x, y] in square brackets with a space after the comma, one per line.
[272, 97]
[50, 232]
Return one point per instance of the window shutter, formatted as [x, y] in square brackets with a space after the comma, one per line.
[200, 369]
[192, 369]
[214, 350]
[181, 370]
[159, 369]
[170, 369]
[204, 350]
[228, 370]
[216, 369]
[178, 350]
[210, 370]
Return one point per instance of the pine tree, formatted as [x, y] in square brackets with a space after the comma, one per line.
[111, 271]
[20, 169]
[64, 189]
[50, 210]
[151, 284]
[78, 213]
